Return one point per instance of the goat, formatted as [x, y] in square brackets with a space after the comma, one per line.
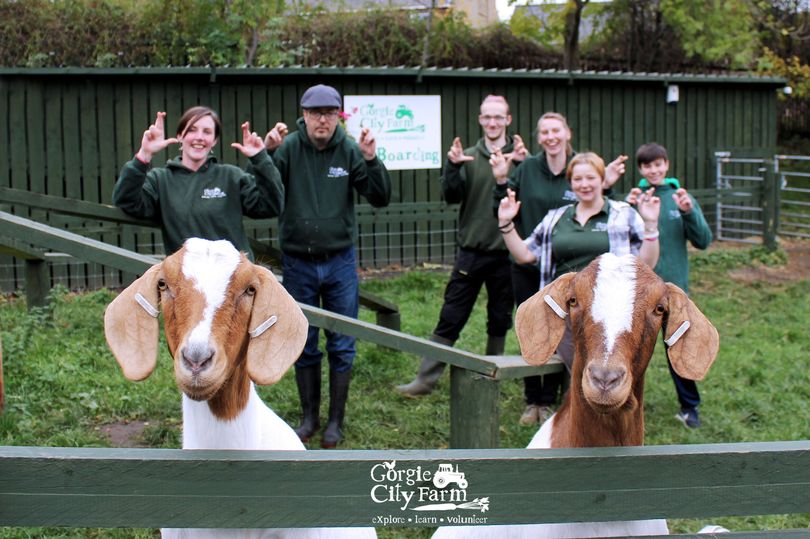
[228, 324]
[616, 307]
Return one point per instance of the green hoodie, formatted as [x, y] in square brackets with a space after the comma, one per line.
[470, 184]
[208, 203]
[675, 228]
[318, 216]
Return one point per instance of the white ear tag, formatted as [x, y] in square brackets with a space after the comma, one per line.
[264, 326]
[678, 333]
[148, 307]
[554, 306]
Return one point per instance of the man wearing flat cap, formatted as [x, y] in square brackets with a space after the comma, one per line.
[321, 168]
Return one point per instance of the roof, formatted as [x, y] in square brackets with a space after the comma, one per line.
[402, 71]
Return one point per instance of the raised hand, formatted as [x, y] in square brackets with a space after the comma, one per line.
[456, 153]
[275, 136]
[500, 166]
[519, 151]
[508, 208]
[251, 142]
[615, 170]
[367, 143]
[649, 207]
[633, 196]
[154, 139]
[683, 200]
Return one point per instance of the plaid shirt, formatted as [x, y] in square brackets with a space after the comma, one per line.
[625, 229]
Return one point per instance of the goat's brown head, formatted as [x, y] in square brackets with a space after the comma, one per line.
[221, 313]
[616, 307]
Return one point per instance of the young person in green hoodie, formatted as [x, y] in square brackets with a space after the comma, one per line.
[540, 185]
[482, 258]
[193, 195]
[681, 220]
[322, 169]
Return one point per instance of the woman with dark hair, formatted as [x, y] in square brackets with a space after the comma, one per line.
[193, 195]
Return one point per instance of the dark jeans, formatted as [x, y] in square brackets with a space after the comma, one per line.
[472, 270]
[542, 390]
[688, 395]
[331, 284]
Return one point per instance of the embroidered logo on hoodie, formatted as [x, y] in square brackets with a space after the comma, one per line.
[216, 192]
[337, 172]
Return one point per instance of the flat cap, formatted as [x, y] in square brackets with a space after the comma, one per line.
[320, 96]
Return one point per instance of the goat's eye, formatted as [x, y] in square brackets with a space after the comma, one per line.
[659, 309]
[162, 285]
[572, 302]
[250, 290]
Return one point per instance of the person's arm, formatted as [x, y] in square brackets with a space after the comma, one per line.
[261, 190]
[369, 175]
[695, 226]
[454, 179]
[649, 208]
[507, 211]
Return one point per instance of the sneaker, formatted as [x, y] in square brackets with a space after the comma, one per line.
[544, 413]
[689, 417]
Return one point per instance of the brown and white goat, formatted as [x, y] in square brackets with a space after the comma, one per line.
[615, 309]
[228, 323]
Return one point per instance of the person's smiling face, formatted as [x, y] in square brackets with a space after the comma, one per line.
[198, 140]
[586, 182]
[553, 136]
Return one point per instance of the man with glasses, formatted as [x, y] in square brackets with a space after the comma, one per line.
[482, 258]
[321, 168]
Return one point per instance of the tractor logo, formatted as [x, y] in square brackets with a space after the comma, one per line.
[446, 475]
[403, 111]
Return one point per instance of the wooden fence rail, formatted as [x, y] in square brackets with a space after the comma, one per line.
[156, 487]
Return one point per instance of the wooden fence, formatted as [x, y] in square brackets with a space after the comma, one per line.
[175, 488]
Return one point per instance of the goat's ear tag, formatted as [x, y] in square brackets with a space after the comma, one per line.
[554, 306]
[264, 326]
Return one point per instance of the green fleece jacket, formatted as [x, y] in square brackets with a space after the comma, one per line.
[318, 216]
[208, 203]
[470, 184]
[675, 228]
[538, 189]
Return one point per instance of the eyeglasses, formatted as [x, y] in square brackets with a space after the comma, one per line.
[485, 118]
[320, 114]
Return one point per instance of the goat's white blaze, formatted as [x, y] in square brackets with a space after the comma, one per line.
[614, 296]
[210, 266]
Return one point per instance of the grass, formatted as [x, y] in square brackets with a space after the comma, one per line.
[62, 385]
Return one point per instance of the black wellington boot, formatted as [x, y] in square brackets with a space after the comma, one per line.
[338, 393]
[309, 391]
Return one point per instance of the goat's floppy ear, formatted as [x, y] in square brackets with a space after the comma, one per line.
[694, 351]
[538, 325]
[276, 347]
[132, 329]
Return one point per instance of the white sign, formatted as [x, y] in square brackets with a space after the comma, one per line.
[407, 128]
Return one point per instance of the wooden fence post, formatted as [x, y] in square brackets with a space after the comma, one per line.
[474, 410]
[37, 282]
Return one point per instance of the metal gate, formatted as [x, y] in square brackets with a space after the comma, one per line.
[793, 175]
[739, 206]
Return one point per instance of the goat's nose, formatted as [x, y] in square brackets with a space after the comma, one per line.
[197, 358]
[605, 378]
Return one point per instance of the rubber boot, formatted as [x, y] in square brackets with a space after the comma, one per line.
[338, 393]
[309, 391]
[429, 373]
[495, 345]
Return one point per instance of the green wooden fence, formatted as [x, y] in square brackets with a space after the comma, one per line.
[175, 488]
[66, 132]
